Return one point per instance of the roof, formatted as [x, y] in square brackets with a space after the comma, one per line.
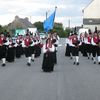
[88, 4]
[20, 23]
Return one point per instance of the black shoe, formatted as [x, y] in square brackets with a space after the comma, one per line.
[3, 65]
[32, 60]
[77, 63]
[94, 62]
[55, 63]
[99, 63]
[73, 63]
[28, 64]
[88, 57]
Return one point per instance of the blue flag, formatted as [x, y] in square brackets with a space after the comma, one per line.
[49, 22]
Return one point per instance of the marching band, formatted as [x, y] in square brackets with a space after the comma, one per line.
[15, 47]
[12, 48]
[87, 44]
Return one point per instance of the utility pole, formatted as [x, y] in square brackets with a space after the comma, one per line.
[30, 18]
[69, 23]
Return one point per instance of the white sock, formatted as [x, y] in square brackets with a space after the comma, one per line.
[74, 58]
[88, 54]
[33, 56]
[98, 58]
[94, 59]
[56, 48]
[29, 59]
[3, 60]
[91, 55]
[71, 55]
[77, 58]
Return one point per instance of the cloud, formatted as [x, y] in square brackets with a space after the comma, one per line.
[36, 9]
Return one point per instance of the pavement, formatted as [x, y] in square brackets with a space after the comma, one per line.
[68, 82]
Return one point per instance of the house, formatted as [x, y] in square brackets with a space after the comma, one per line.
[91, 15]
[20, 23]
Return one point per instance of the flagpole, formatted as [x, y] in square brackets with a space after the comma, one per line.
[49, 22]
[55, 8]
[55, 13]
[46, 14]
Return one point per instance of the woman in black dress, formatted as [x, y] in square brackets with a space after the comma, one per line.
[48, 59]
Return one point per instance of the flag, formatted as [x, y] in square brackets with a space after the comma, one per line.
[49, 22]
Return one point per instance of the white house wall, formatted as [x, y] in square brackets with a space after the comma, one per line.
[91, 17]
[92, 10]
[92, 27]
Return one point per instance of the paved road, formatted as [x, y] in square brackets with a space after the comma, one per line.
[67, 82]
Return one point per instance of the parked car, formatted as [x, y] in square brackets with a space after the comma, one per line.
[42, 35]
[82, 31]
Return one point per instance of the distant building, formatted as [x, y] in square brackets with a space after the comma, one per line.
[91, 17]
[20, 23]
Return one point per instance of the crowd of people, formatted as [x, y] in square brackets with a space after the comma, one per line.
[14, 47]
[88, 44]
[30, 46]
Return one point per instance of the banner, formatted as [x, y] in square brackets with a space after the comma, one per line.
[49, 22]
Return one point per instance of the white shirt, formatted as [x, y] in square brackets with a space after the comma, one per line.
[52, 49]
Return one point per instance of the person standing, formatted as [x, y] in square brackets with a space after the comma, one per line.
[87, 41]
[75, 43]
[18, 48]
[68, 47]
[95, 47]
[10, 50]
[48, 61]
[26, 43]
[3, 49]
[99, 49]
[55, 41]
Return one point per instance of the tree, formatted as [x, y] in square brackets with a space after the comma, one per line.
[67, 31]
[39, 26]
[1, 29]
[58, 27]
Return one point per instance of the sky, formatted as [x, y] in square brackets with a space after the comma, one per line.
[36, 10]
